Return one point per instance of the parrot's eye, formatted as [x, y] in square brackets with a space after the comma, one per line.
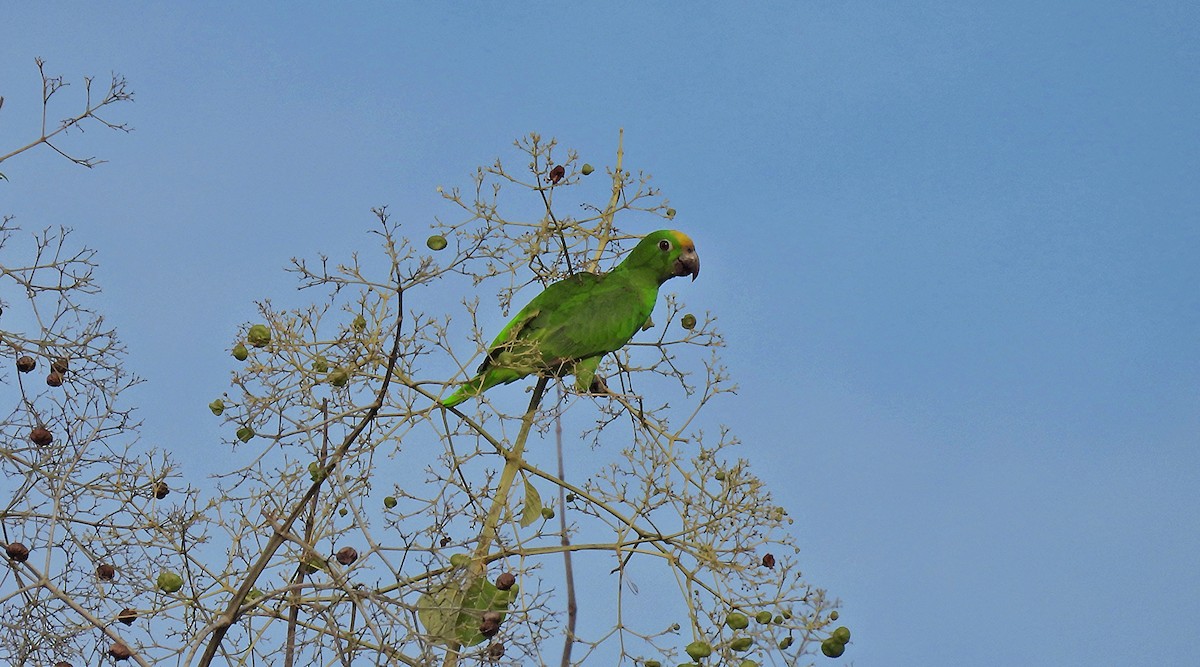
[664, 245]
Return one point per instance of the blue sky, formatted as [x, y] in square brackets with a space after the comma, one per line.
[953, 247]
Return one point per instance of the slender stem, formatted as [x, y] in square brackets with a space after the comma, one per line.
[568, 570]
[613, 202]
[513, 464]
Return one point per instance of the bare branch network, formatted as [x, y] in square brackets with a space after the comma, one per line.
[360, 522]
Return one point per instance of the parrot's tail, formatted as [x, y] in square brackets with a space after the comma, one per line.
[457, 397]
[480, 384]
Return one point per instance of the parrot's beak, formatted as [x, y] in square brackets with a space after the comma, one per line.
[688, 264]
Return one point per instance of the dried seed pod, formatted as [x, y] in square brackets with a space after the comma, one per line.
[496, 651]
[26, 364]
[769, 561]
[41, 436]
[160, 489]
[106, 572]
[505, 581]
[346, 555]
[18, 552]
[60, 365]
[62, 663]
[127, 616]
[119, 651]
[557, 173]
[54, 379]
[490, 624]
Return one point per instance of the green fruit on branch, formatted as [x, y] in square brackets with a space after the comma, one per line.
[698, 650]
[169, 582]
[737, 621]
[338, 377]
[833, 648]
[316, 471]
[259, 335]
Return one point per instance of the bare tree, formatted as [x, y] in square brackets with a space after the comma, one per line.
[360, 522]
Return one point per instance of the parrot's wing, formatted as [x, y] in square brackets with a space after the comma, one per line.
[597, 317]
[510, 333]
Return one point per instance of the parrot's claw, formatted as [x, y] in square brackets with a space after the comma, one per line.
[598, 386]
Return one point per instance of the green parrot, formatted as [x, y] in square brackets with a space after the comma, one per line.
[573, 323]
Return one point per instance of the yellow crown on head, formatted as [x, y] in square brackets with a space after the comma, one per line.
[682, 240]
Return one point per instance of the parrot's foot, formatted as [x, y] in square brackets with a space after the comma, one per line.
[598, 386]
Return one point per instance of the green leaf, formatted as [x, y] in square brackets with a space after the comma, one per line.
[532, 511]
[452, 613]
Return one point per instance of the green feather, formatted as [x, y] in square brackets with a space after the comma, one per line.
[573, 323]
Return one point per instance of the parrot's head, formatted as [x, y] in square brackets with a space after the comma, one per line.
[669, 253]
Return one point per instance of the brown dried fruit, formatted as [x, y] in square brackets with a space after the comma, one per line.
[505, 581]
[557, 173]
[26, 364]
[62, 663]
[127, 616]
[769, 560]
[490, 624]
[17, 552]
[496, 651]
[160, 489]
[54, 379]
[40, 435]
[106, 572]
[346, 555]
[119, 651]
[60, 365]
